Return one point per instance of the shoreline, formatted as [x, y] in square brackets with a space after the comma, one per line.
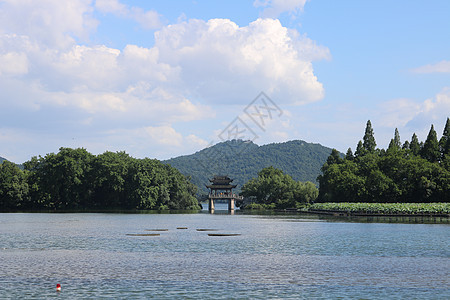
[340, 213]
[343, 209]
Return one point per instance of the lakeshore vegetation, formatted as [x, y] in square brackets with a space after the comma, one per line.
[74, 179]
[413, 177]
[383, 208]
[409, 177]
[410, 172]
[273, 189]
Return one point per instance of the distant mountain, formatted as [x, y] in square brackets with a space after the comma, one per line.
[242, 160]
[4, 159]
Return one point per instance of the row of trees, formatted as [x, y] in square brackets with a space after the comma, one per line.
[76, 179]
[410, 172]
[274, 189]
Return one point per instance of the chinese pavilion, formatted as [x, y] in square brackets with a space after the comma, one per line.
[222, 189]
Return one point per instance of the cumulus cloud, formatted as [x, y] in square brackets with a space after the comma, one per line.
[432, 110]
[13, 63]
[216, 61]
[147, 19]
[412, 114]
[274, 8]
[68, 86]
[440, 67]
[129, 84]
[101, 68]
[222, 62]
[51, 22]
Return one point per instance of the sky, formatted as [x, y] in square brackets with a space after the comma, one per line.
[161, 79]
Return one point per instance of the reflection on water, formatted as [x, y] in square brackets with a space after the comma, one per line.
[284, 256]
[219, 208]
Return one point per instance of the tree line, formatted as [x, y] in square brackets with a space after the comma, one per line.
[272, 189]
[410, 172]
[77, 179]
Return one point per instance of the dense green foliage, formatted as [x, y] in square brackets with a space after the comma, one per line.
[414, 172]
[274, 189]
[14, 190]
[384, 208]
[242, 161]
[76, 179]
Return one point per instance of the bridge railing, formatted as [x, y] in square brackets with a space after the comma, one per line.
[225, 196]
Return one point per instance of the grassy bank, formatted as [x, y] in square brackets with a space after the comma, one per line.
[384, 208]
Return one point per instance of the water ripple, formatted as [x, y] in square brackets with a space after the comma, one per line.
[92, 257]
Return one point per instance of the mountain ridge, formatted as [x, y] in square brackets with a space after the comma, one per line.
[242, 160]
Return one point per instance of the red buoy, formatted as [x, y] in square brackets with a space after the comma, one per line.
[58, 287]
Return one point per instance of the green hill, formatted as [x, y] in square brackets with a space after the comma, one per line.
[242, 160]
[4, 159]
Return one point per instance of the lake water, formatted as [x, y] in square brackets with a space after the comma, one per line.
[275, 256]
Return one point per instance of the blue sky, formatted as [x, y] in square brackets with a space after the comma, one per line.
[166, 78]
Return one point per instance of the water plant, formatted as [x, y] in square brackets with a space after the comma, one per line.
[384, 208]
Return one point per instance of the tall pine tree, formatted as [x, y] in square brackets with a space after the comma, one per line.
[360, 151]
[405, 145]
[369, 139]
[414, 145]
[444, 142]
[392, 146]
[397, 142]
[349, 154]
[334, 158]
[430, 150]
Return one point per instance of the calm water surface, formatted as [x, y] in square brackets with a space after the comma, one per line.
[296, 257]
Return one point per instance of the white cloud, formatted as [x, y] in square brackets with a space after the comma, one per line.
[192, 139]
[216, 61]
[274, 8]
[54, 23]
[13, 63]
[111, 6]
[140, 104]
[440, 67]
[164, 135]
[398, 112]
[410, 116]
[434, 110]
[130, 84]
[147, 19]
[47, 77]
[222, 62]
